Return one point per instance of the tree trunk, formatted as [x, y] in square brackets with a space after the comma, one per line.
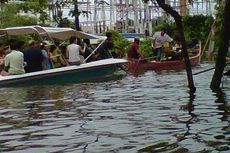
[146, 17]
[183, 7]
[222, 52]
[76, 15]
[180, 28]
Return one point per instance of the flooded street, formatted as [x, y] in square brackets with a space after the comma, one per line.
[152, 112]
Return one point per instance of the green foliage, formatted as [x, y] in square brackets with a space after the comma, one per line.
[146, 47]
[34, 6]
[116, 35]
[197, 27]
[123, 43]
[66, 23]
[9, 17]
[218, 23]
[58, 6]
[19, 20]
[10, 13]
[171, 27]
[25, 38]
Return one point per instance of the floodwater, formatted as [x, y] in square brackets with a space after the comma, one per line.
[149, 113]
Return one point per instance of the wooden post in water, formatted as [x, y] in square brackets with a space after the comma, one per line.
[222, 52]
[180, 28]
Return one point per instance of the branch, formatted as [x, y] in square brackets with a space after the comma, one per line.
[168, 9]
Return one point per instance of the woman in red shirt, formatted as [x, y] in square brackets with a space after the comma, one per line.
[133, 50]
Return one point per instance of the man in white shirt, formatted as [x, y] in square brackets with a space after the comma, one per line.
[159, 38]
[73, 52]
[14, 61]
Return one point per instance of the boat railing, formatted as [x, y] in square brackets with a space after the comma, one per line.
[94, 51]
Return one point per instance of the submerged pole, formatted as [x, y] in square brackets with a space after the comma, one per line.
[180, 28]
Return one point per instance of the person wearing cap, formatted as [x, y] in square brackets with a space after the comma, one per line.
[133, 50]
[159, 38]
[14, 61]
[33, 58]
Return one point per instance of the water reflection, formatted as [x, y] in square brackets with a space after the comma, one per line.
[26, 112]
[222, 104]
[220, 144]
[193, 117]
[182, 134]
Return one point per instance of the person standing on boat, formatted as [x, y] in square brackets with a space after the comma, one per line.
[133, 50]
[73, 52]
[14, 61]
[103, 52]
[33, 58]
[159, 38]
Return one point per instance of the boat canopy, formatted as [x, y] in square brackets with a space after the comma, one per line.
[19, 30]
[53, 32]
[66, 33]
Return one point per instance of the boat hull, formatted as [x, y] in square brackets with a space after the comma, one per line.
[70, 74]
[175, 65]
[137, 67]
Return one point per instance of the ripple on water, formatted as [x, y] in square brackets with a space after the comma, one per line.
[152, 112]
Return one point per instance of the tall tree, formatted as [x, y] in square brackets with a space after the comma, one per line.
[57, 7]
[76, 14]
[223, 49]
[3, 1]
[146, 16]
[10, 16]
[37, 7]
[178, 19]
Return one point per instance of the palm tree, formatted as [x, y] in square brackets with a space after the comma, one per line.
[76, 15]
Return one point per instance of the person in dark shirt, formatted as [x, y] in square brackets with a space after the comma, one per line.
[33, 58]
[88, 50]
[106, 47]
[133, 50]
